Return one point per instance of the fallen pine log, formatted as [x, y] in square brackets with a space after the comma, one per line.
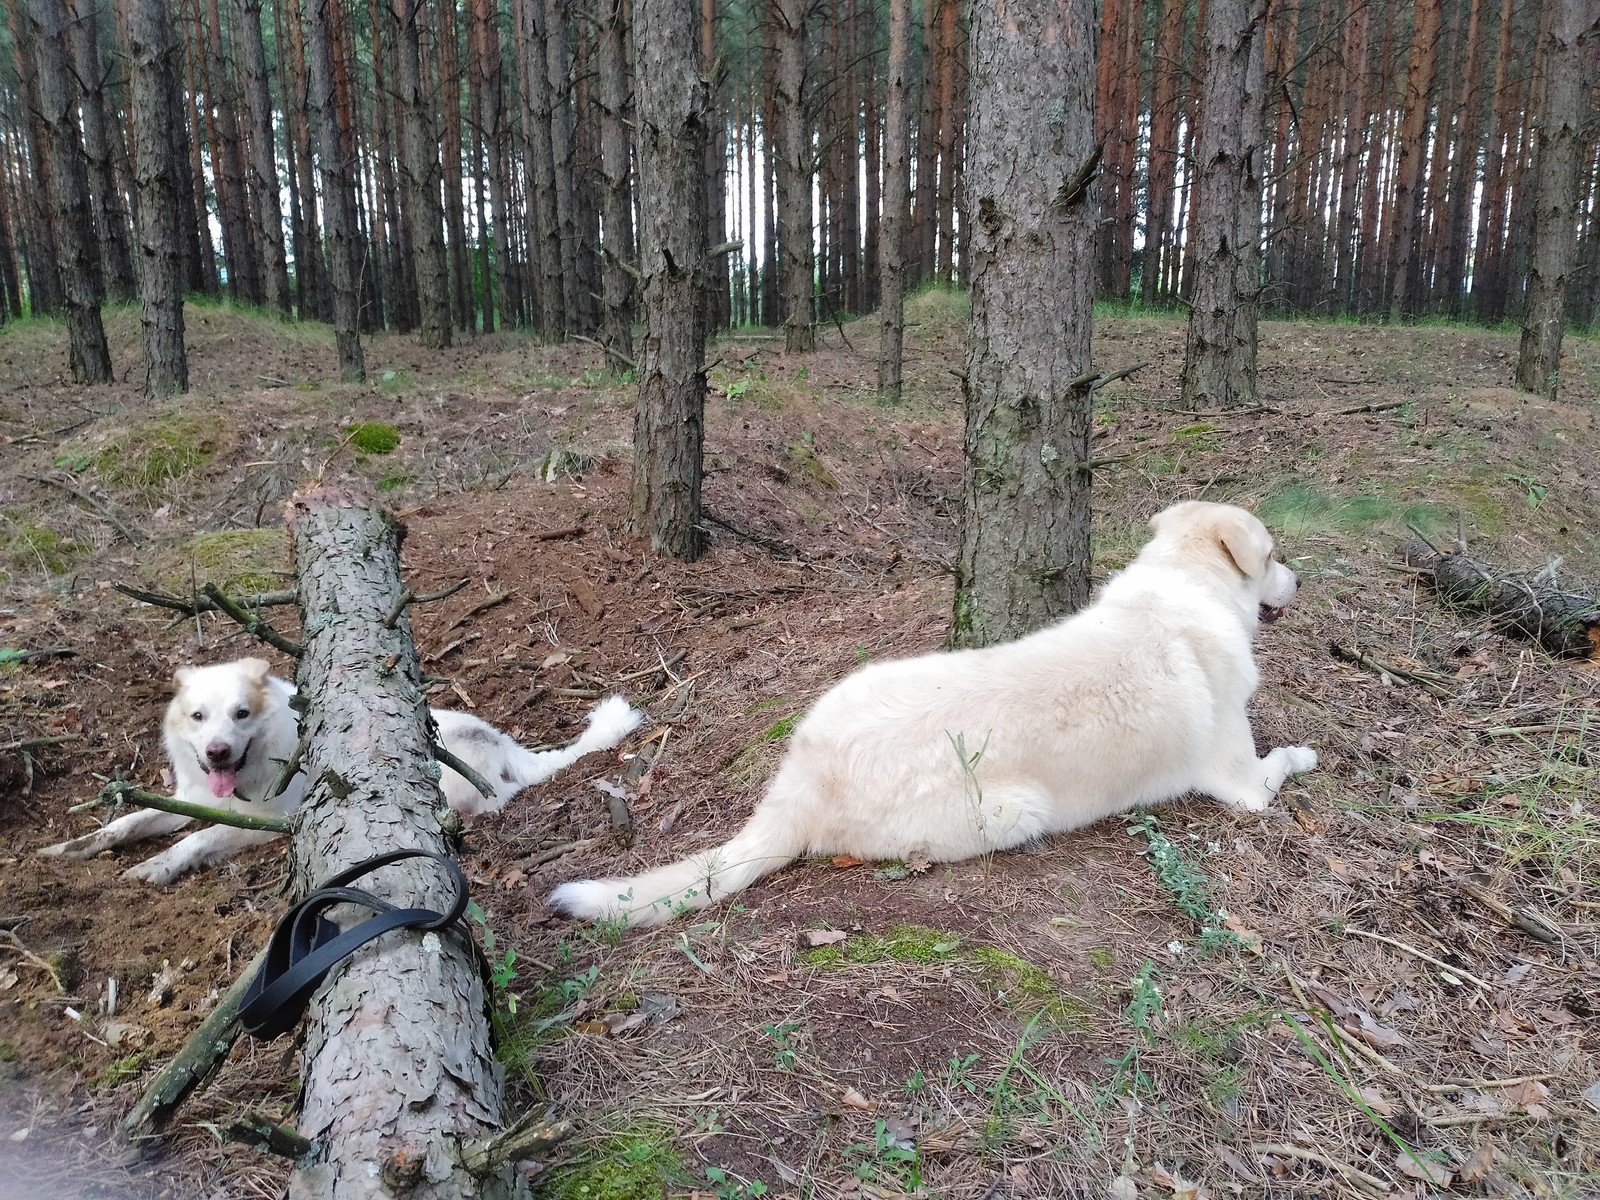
[398, 1077]
[1567, 624]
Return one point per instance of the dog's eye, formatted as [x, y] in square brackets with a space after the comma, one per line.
[241, 714]
[198, 715]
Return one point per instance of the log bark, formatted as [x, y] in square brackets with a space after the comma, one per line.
[896, 205]
[345, 251]
[263, 165]
[793, 157]
[1567, 624]
[419, 168]
[397, 1070]
[616, 331]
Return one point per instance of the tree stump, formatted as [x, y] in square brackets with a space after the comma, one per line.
[398, 1075]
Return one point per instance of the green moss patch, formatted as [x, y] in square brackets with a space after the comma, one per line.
[374, 437]
[805, 457]
[237, 560]
[120, 1071]
[636, 1162]
[26, 547]
[148, 456]
[1022, 985]
[902, 943]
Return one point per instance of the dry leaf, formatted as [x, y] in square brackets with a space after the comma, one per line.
[8, 980]
[1122, 1188]
[599, 1028]
[854, 1099]
[1249, 938]
[1339, 867]
[1478, 1164]
[822, 937]
[621, 1023]
[514, 878]
[847, 860]
[1529, 1094]
[917, 862]
[1236, 1163]
[1379, 1037]
[1424, 1169]
[1377, 1101]
[779, 977]
[1592, 1094]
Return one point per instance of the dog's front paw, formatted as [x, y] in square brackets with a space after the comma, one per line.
[76, 848]
[1300, 759]
[1250, 802]
[157, 870]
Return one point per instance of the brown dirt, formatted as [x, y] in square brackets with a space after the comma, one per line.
[845, 511]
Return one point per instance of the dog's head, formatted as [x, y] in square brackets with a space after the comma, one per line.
[1231, 543]
[218, 713]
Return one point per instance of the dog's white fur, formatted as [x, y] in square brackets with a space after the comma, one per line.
[230, 729]
[1137, 699]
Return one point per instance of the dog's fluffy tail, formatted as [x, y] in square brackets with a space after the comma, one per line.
[609, 722]
[767, 842]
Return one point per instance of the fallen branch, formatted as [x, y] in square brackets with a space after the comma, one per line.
[408, 598]
[201, 1055]
[1354, 1174]
[251, 1128]
[551, 853]
[609, 351]
[251, 623]
[34, 743]
[1385, 406]
[1567, 624]
[772, 545]
[102, 509]
[22, 656]
[200, 603]
[1422, 955]
[462, 769]
[119, 792]
[481, 606]
[1425, 680]
[530, 1137]
[10, 941]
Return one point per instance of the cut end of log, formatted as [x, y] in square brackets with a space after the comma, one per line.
[328, 495]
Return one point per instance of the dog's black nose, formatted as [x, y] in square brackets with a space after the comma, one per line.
[219, 752]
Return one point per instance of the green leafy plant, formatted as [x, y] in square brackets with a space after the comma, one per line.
[1140, 1015]
[782, 1039]
[729, 1188]
[885, 1158]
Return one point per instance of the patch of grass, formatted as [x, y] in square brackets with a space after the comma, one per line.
[146, 457]
[237, 560]
[1101, 957]
[1113, 543]
[781, 729]
[804, 456]
[1143, 1010]
[26, 546]
[1022, 985]
[937, 309]
[120, 1070]
[374, 437]
[1300, 510]
[1186, 883]
[635, 1162]
[902, 943]
[394, 381]
[390, 483]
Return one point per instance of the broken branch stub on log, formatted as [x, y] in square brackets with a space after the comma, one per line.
[1567, 624]
[397, 1068]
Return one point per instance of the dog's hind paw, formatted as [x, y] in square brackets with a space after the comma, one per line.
[154, 870]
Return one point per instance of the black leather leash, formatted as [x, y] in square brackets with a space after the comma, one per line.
[306, 945]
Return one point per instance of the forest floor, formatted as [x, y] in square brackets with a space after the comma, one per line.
[1410, 1002]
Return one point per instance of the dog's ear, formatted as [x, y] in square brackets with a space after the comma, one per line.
[255, 669]
[181, 675]
[1245, 540]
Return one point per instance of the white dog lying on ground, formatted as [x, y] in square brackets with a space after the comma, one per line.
[1138, 698]
[230, 730]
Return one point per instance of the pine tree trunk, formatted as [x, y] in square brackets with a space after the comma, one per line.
[386, 137]
[716, 170]
[1464, 169]
[81, 284]
[1162, 173]
[40, 240]
[1568, 26]
[1219, 360]
[10, 273]
[555, 321]
[110, 212]
[238, 245]
[1283, 26]
[264, 160]
[311, 267]
[896, 202]
[872, 131]
[1024, 554]
[345, 252]
[616, 330]
[794, 167]
[924, 215]
[420, 171]
[397, 1073]
[949, 28]
[1342, 296]
[1108, 66]
[455, 212]
[672, 107]
[586, 176]
[1413, 155]
[161, 178]
[484, 44]
[1187, 206]
[558, 70]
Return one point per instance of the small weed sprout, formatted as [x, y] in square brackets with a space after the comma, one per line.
[1140, 1015]
[1188, 886]
[785, 1055]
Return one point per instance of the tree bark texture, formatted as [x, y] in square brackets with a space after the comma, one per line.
[672, 106]
[77, 245]
[1413, 151]
[110, 214]
[39, 240]
[161, 178]
[396, 1070]
[264, 161]
[420, 168]
[1024, 554]
[345, 250]
[1567, 28]
[794, 161]
[896, 203]
[616, 330]
[1219, 362]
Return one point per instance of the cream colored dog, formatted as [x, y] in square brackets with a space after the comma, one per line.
[1137, 699]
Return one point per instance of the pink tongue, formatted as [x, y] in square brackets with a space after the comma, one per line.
[222, 782]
